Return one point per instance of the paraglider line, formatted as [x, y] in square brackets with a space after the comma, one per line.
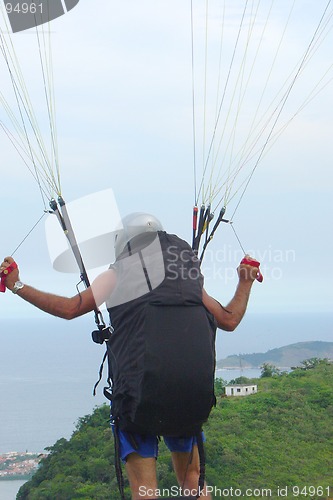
[193, 110]
[33, 227]
[237, 237]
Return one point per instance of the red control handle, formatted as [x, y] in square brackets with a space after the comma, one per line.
[4, 274]
[253, 263]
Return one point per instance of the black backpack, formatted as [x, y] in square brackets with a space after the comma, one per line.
[168, 385]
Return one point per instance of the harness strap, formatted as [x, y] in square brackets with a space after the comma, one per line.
[117, 462]
[202, 459]
[100, 373]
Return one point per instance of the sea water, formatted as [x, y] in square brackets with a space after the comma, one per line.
[9, 489]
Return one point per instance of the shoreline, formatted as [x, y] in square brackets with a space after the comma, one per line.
[19, 465]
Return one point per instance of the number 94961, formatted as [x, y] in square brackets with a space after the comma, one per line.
[311, 491]
[24, 8]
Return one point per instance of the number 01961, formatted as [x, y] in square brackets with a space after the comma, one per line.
[24, 8]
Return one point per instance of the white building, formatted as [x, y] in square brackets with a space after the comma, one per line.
[240, 389]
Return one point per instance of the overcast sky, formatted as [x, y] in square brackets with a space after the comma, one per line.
[124, 112]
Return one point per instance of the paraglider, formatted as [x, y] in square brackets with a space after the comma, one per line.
[228, 161]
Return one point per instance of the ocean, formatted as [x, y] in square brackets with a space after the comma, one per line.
[48, 368]
[9, 489]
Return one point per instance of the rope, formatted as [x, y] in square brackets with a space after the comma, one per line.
[193, 109]
[281, 107]
[28, 234]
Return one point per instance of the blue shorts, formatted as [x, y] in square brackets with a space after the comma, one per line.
[147, 446]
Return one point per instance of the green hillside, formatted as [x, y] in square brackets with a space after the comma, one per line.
[276, 443]
[287, 356]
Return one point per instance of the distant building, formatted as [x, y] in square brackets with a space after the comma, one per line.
[240, 389]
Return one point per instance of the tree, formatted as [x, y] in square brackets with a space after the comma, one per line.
[240, 380]
[219, 385]
[268, 370]
[310, 363]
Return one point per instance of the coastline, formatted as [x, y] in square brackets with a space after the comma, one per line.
[19, 465]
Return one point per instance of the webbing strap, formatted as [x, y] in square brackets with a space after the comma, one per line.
[117, 462]
[202, 459]
[100, 374]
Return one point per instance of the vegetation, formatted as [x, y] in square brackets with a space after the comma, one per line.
[276, 439]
